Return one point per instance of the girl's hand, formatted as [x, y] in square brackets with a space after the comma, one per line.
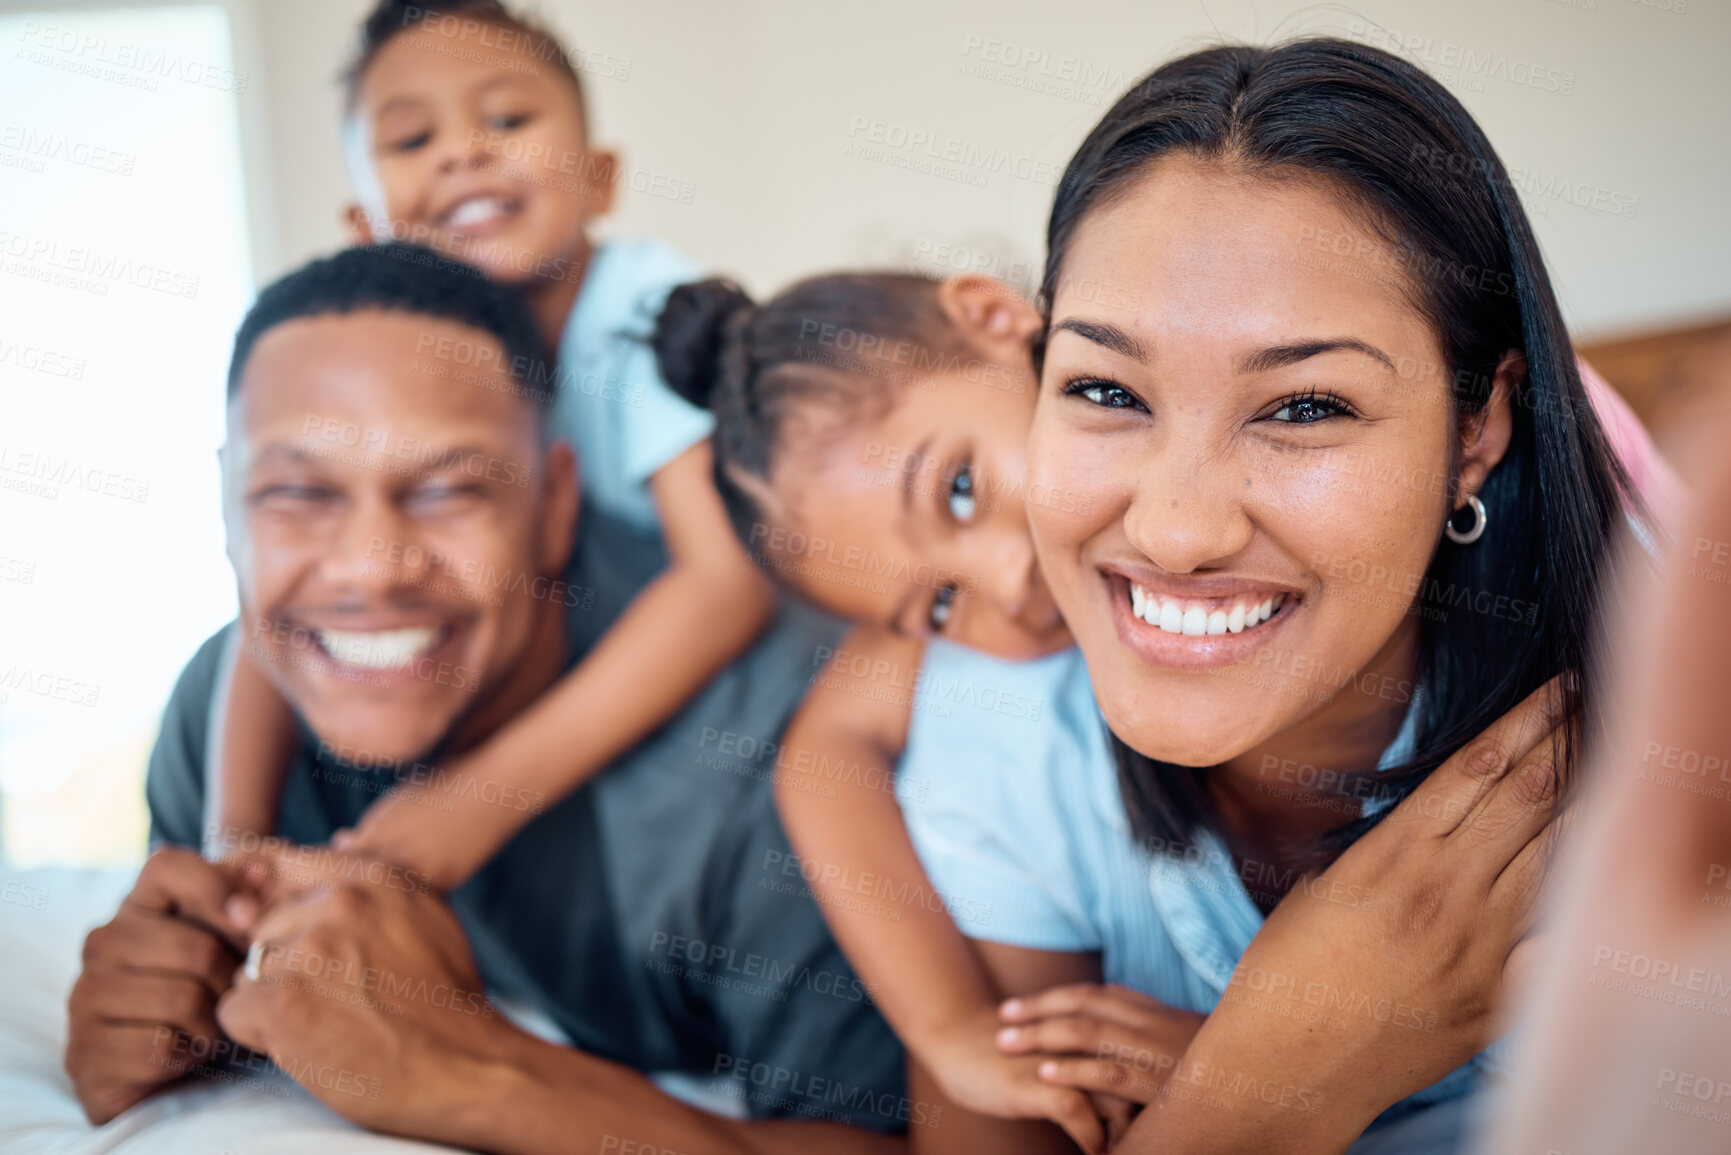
[972, 1071]
[1106, 1040]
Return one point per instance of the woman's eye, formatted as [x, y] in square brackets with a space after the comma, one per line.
[1104, 394]
[961, 496]
[943, 605]
[1308, 410]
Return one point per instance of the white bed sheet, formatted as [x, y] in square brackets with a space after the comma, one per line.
[39, 954]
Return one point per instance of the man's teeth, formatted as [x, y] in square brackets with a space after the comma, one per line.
[1176, 617]
[476, 211]
[377, 649]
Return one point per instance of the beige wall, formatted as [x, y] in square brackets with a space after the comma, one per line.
[755, 103]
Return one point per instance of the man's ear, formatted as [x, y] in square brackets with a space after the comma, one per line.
[560, 499]
[1485, 438]
[602, 172]
[988, 310]
[360, 229]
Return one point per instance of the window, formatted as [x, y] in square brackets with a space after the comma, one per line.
[124, 268]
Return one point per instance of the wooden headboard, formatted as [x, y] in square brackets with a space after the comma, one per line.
[1669, 377]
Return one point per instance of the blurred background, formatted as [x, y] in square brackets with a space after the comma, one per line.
[160, 161]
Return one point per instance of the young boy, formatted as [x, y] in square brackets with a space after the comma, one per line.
[465, 130]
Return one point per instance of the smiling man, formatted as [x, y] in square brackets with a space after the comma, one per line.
[413, 573]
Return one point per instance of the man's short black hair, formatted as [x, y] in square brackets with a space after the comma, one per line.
[400, 278]
[459, 21]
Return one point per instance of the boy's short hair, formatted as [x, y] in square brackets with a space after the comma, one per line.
[462, 21]
[400, 278]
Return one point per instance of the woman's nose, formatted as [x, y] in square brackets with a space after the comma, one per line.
[1186, 514]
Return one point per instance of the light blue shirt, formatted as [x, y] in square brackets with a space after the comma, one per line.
[612, 404]
[1011, 796]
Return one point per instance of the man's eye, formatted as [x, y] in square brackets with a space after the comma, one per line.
[961, 496]
[441, 494]
[1103, 393]
[943, 606]
[281, 495]
[1310, 409]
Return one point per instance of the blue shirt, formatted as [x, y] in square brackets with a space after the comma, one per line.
[1011, 796]
[612, 404]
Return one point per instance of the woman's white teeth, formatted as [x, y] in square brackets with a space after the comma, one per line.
[1196, 620]
[377, 649]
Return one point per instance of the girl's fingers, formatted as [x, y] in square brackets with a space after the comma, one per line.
[1102, 1077]
[1066, 1035]
[1111, 1003]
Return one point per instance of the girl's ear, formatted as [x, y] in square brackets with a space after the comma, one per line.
[988, 310]
[1485, 438]
[360, 229]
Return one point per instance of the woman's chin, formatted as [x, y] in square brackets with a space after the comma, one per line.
[1187, 734]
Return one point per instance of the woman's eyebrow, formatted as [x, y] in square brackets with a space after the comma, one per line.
[1108, 335]
[1280, 356]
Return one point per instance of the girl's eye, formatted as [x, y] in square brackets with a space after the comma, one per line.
[1310, 409]
[943, 605]
[507, 123]
[961, 495]
[1103, 393]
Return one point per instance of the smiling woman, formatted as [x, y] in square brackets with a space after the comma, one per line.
[1274, 443]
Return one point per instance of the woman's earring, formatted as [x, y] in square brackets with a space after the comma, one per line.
[1467, 536]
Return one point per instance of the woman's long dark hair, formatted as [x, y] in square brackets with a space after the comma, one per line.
[1400, 147]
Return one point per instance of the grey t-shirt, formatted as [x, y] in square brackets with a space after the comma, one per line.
[657, 914]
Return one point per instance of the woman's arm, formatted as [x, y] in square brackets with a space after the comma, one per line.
[255, 744]
[1341, 1008]
[684, 627]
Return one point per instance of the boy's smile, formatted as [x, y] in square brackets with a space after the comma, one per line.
[480, 154]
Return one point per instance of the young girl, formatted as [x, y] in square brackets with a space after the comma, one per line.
[1019, 814]
[439, 143]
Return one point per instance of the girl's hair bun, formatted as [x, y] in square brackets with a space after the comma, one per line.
[691, 336]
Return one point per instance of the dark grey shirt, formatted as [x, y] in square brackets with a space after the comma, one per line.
[656, 914]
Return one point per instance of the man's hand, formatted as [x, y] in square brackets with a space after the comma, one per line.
[368, 997]
[143, 1011]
